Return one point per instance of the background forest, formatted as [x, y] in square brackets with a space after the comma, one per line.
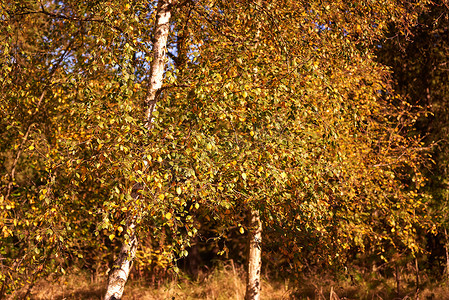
[189, 145]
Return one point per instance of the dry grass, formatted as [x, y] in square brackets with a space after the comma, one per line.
[224, 283]
[228, 283]
[317, 287]
[71, 286]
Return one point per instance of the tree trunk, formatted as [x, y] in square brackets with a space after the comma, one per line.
[161, 29]
[446, 248]
[417, 274]
[122, 266]
[398, 280]
[254, 256]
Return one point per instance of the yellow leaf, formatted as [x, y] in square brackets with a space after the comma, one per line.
[5, 231]
[242, 231]
[168, 216]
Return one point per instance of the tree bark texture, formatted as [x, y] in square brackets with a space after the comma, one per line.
[161, 29]
[254, 257]
[122, 266]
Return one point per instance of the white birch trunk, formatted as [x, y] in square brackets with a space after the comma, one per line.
[164, 9]
[254, 257]
[122, 266]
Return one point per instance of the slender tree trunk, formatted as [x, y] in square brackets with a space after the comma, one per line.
[161, 29]
[417, 274]
[254, 256]
[446, 248]
[398, 280]
[122, 266]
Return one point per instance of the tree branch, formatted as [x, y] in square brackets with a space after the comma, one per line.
[65, 17]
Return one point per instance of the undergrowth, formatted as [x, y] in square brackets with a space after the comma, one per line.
[228, 282]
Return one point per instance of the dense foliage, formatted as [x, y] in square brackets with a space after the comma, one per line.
[284, 107]
[418, 60]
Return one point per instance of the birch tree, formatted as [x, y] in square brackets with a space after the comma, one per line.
[280, 109]
[254, 267]
[122, 266]
[311, 141]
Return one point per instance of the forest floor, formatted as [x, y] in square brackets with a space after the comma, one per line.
[228, 283]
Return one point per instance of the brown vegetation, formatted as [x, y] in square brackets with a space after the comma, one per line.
[228, 282]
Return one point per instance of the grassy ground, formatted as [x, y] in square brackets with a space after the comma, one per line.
[228, 283]
[224, 283]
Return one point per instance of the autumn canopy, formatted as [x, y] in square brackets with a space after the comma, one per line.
[131, 130]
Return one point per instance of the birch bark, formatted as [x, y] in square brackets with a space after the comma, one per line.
[122, 266]
[164, 10]
[254, 257]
